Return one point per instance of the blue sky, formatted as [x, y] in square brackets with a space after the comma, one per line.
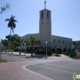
[65, 17]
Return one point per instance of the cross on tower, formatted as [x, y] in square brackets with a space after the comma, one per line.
[45, 4]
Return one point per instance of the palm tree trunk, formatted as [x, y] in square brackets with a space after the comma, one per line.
[20, 50]
[32, 51]
[12, 47]
[10, 40]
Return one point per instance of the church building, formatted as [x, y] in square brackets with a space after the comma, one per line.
[45, 33]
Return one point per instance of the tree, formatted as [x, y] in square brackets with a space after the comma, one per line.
[8, 37]
[75, 43]
[19, 42]
[4, 8]
[27, 41]
[5, 43]
[11, 24]
[0, 49]
[33, 41]
[58, 50]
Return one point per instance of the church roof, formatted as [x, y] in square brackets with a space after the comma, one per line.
[61, 36]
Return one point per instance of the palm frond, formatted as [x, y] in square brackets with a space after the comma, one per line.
[9, 24]
[7, 20]
[15, 20]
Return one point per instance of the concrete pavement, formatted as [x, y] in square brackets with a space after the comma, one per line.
[17, 71]
[57, 70]
[24, 57]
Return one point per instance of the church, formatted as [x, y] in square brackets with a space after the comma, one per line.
[45, 34]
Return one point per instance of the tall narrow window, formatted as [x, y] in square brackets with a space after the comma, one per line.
[53, 40]
[58, 41]
[42, 14]
[48, 14]
[63, 41]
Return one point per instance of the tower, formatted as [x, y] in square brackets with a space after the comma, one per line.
[45, 25]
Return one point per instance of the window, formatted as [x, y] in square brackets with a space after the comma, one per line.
[55, 46]
[48, 14]
[65, 46]
[60, 45]
[53, 40]
[42, 14]
[59, 41]
[70, 47]
[63, 41]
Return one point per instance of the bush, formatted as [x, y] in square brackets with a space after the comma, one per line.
[66, 53]
[58, 50]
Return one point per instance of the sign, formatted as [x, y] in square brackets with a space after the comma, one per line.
[76, 76]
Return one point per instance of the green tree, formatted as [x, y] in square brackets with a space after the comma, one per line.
[5, 43]
[33, 40]
[27, 41]
[11, 24]
[8, 37]
[19, 42]
[58, 50]
[4, 8]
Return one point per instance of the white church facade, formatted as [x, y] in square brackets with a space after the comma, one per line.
[45, 33]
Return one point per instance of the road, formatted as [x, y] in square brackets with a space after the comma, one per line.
[59, 70]
[16, 57]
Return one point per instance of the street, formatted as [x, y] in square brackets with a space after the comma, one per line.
[59, 70]
[16, 57]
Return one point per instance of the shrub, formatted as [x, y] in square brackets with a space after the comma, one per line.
[58, 50]
[66, 53]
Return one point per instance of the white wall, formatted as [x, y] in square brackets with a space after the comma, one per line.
[67, 41]
[45, 26]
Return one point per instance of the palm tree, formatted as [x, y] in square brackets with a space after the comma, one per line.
[27, 41]
[19, 42]
[33, 40]
[4, 7]
[11, 24]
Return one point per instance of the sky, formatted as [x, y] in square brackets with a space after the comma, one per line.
[65, 16]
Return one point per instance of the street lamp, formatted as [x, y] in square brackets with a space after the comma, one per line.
[46, 49]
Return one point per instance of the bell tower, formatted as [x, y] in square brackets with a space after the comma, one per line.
[45, 25]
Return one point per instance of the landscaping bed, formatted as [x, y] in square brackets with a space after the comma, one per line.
[3, 61]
